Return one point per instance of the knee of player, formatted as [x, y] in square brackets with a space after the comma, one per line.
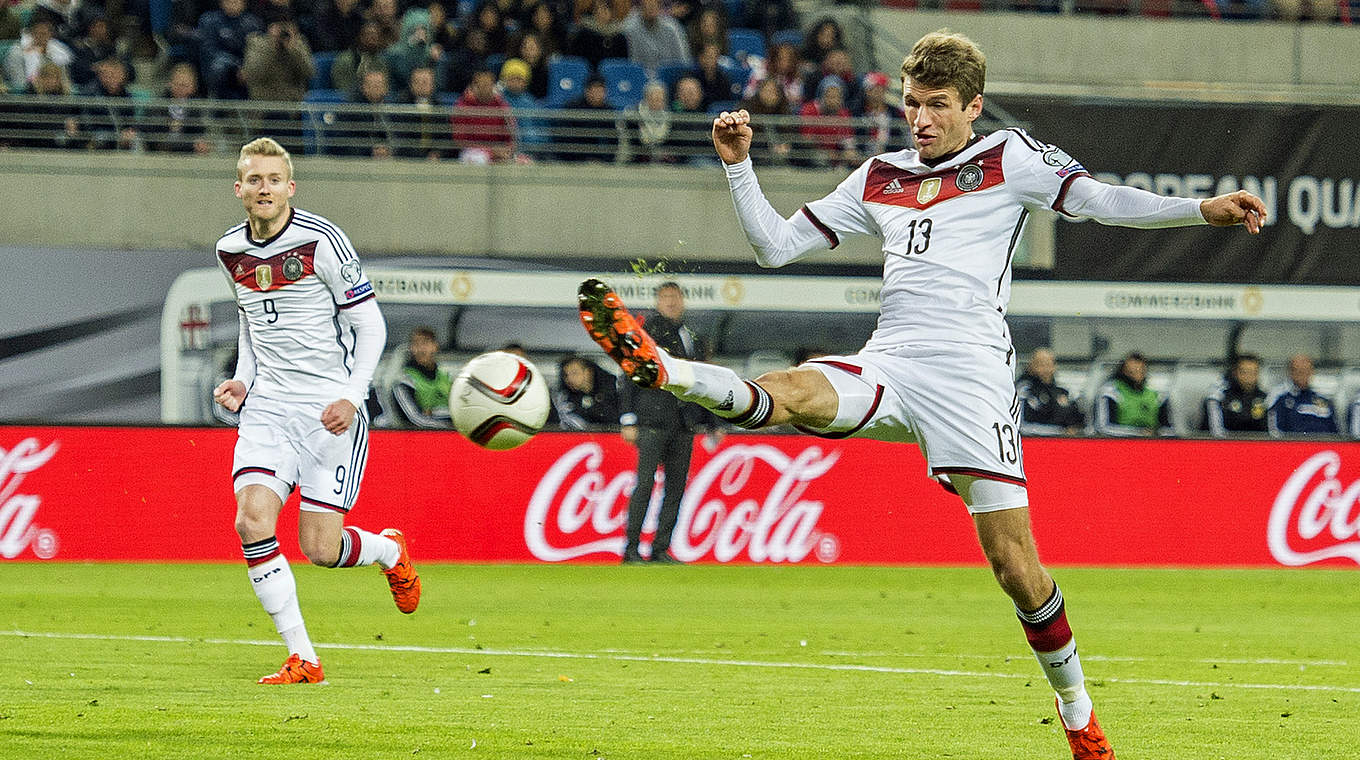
[791, 389]
[319, 553]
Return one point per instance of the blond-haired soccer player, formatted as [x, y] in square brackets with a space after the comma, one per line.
[311, 335]
[938, 369]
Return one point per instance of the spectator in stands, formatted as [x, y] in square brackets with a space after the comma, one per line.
[532, 135]
[886, 120]
[836, 64]
[36, 45]
[771, 139]
[587, 396]
[483, 127]
[384, 13]
[691, 132]
[180, 127]
[828, 137]
[588, 140]
[650, 126]
[489, 20]
[1237, 405]
[1046, 408]
[709, 27]
[96, 44]
[68, 17]
[112, 125]
[1294, 408]
[278, 64]
[336, 27]
[425, 133]
[422, 393]
[716, 85]
[222, 36]
[415, 49]
[443, 28]
[366, 55]
[149, 60]
[824, 36]
[784, 66]
[1126, 406]
[654, 38]
[541, 22]
[598, 36]
[42, 125]
[530, 50]
[469, 57]
[366, 132]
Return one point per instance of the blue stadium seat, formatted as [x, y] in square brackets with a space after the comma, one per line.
[321, 76]
[718, 106]
[325, 95]
[566, 80]
[623, 81]
[494, 63]
[670, 73]
[744, 42]
[787, 37]
[315, 120]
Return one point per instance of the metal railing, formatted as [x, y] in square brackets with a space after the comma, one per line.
[409, 132]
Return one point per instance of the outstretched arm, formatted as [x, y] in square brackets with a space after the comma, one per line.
[1132, 207]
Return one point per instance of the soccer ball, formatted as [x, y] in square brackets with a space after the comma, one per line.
[499, 400]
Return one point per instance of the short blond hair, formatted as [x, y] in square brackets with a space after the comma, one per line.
[946, 59]
[263, 146]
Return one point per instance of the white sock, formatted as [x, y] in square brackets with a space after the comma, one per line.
[708, 385]
[277, 590]
[1063, 670]
[359, 547]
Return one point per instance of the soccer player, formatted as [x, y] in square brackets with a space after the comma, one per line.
[938, 369]
[311, 335]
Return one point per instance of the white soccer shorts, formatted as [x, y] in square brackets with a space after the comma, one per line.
[280, 445]
[957, 402]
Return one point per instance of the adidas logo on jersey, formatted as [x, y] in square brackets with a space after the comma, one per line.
[893, 187]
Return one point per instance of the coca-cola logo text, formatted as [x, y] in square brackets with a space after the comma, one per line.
[1313, 500]
[17, 531]
[577, 510]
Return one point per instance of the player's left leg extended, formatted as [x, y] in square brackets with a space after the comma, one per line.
[1003, 529]
[799, 396]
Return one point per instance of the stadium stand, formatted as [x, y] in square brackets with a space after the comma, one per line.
[566, 80]
[623, 81]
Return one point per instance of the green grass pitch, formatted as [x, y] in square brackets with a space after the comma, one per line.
[159, 661]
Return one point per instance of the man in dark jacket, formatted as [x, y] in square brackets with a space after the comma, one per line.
[1237, 405]
[662, 428]
[587, 396]
[1046, 408]
[1295, 408]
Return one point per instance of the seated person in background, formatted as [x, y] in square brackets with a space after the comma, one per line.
[587, 396]
[1237, 405]
[180, 127]
[483, 127]
[1126, 406]
[1046, 408]
[1295, 408]
[422, 395]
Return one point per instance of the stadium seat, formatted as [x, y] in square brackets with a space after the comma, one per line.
[738, 73]
[321, 76]
[314, 120]
[494, 63]
[745, 42]
[670, 73]
[787, 37]
[324, 95]
[566, 80]
[623, 81]
[1191, 383]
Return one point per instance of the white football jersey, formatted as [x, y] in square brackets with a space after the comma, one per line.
[291, 289]
[949, 232]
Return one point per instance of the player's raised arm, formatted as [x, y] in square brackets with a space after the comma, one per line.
[732, 136]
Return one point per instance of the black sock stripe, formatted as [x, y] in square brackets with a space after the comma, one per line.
[762, 408]
[1047, 612]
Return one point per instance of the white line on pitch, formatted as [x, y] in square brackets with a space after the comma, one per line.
[1103, 658]
[661, 659]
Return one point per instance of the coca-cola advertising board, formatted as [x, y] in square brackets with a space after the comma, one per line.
[164, 494]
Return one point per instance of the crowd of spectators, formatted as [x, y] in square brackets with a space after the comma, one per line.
[474, 72]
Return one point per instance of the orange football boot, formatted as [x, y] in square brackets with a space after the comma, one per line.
[620, 334]
[402, 578]
[296, 670]
[1088, 743]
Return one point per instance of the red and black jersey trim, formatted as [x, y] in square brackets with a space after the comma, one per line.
[332, 507]
[261, 470]
[1062, 193]
[873, 408]
[1010, 249]
[272, 273]
[830, 234]
[890, 185]
[356, 303]
[977, 473]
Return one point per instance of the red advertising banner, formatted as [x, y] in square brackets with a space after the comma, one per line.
[164, 494]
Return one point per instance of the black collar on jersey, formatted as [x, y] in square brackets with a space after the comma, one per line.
[934, 162]
[275, 236]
